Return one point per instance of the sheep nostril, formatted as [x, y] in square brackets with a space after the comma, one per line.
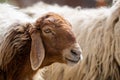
[74, 53]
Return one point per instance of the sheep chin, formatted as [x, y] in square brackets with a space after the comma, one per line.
[71, 62]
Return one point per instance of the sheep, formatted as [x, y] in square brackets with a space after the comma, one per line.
[27, 45]
[97, 31]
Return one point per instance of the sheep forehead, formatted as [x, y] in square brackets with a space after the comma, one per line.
[64, 26]
[57, 19]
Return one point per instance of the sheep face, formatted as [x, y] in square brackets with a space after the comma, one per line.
[58, 41]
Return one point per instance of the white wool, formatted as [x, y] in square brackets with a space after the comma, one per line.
[8, 16]
[42, 8]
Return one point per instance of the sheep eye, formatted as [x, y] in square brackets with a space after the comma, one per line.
[47, 31]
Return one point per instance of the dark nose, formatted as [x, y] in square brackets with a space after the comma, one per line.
[76, 53]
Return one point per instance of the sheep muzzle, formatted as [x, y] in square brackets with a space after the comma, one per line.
[72, 54]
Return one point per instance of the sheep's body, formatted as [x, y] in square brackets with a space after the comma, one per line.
[6, 22]
[14, 16]
[97, 31]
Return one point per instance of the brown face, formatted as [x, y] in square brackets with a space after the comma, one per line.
[58, 40]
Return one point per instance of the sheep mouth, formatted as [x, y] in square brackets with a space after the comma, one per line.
[73, 61]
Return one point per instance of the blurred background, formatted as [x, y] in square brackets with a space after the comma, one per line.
[72, 3]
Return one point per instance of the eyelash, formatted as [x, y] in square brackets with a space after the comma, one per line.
[47, 31]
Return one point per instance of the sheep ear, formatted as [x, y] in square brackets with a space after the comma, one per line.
[37, 53]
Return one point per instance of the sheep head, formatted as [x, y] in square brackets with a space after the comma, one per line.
[53, 41]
